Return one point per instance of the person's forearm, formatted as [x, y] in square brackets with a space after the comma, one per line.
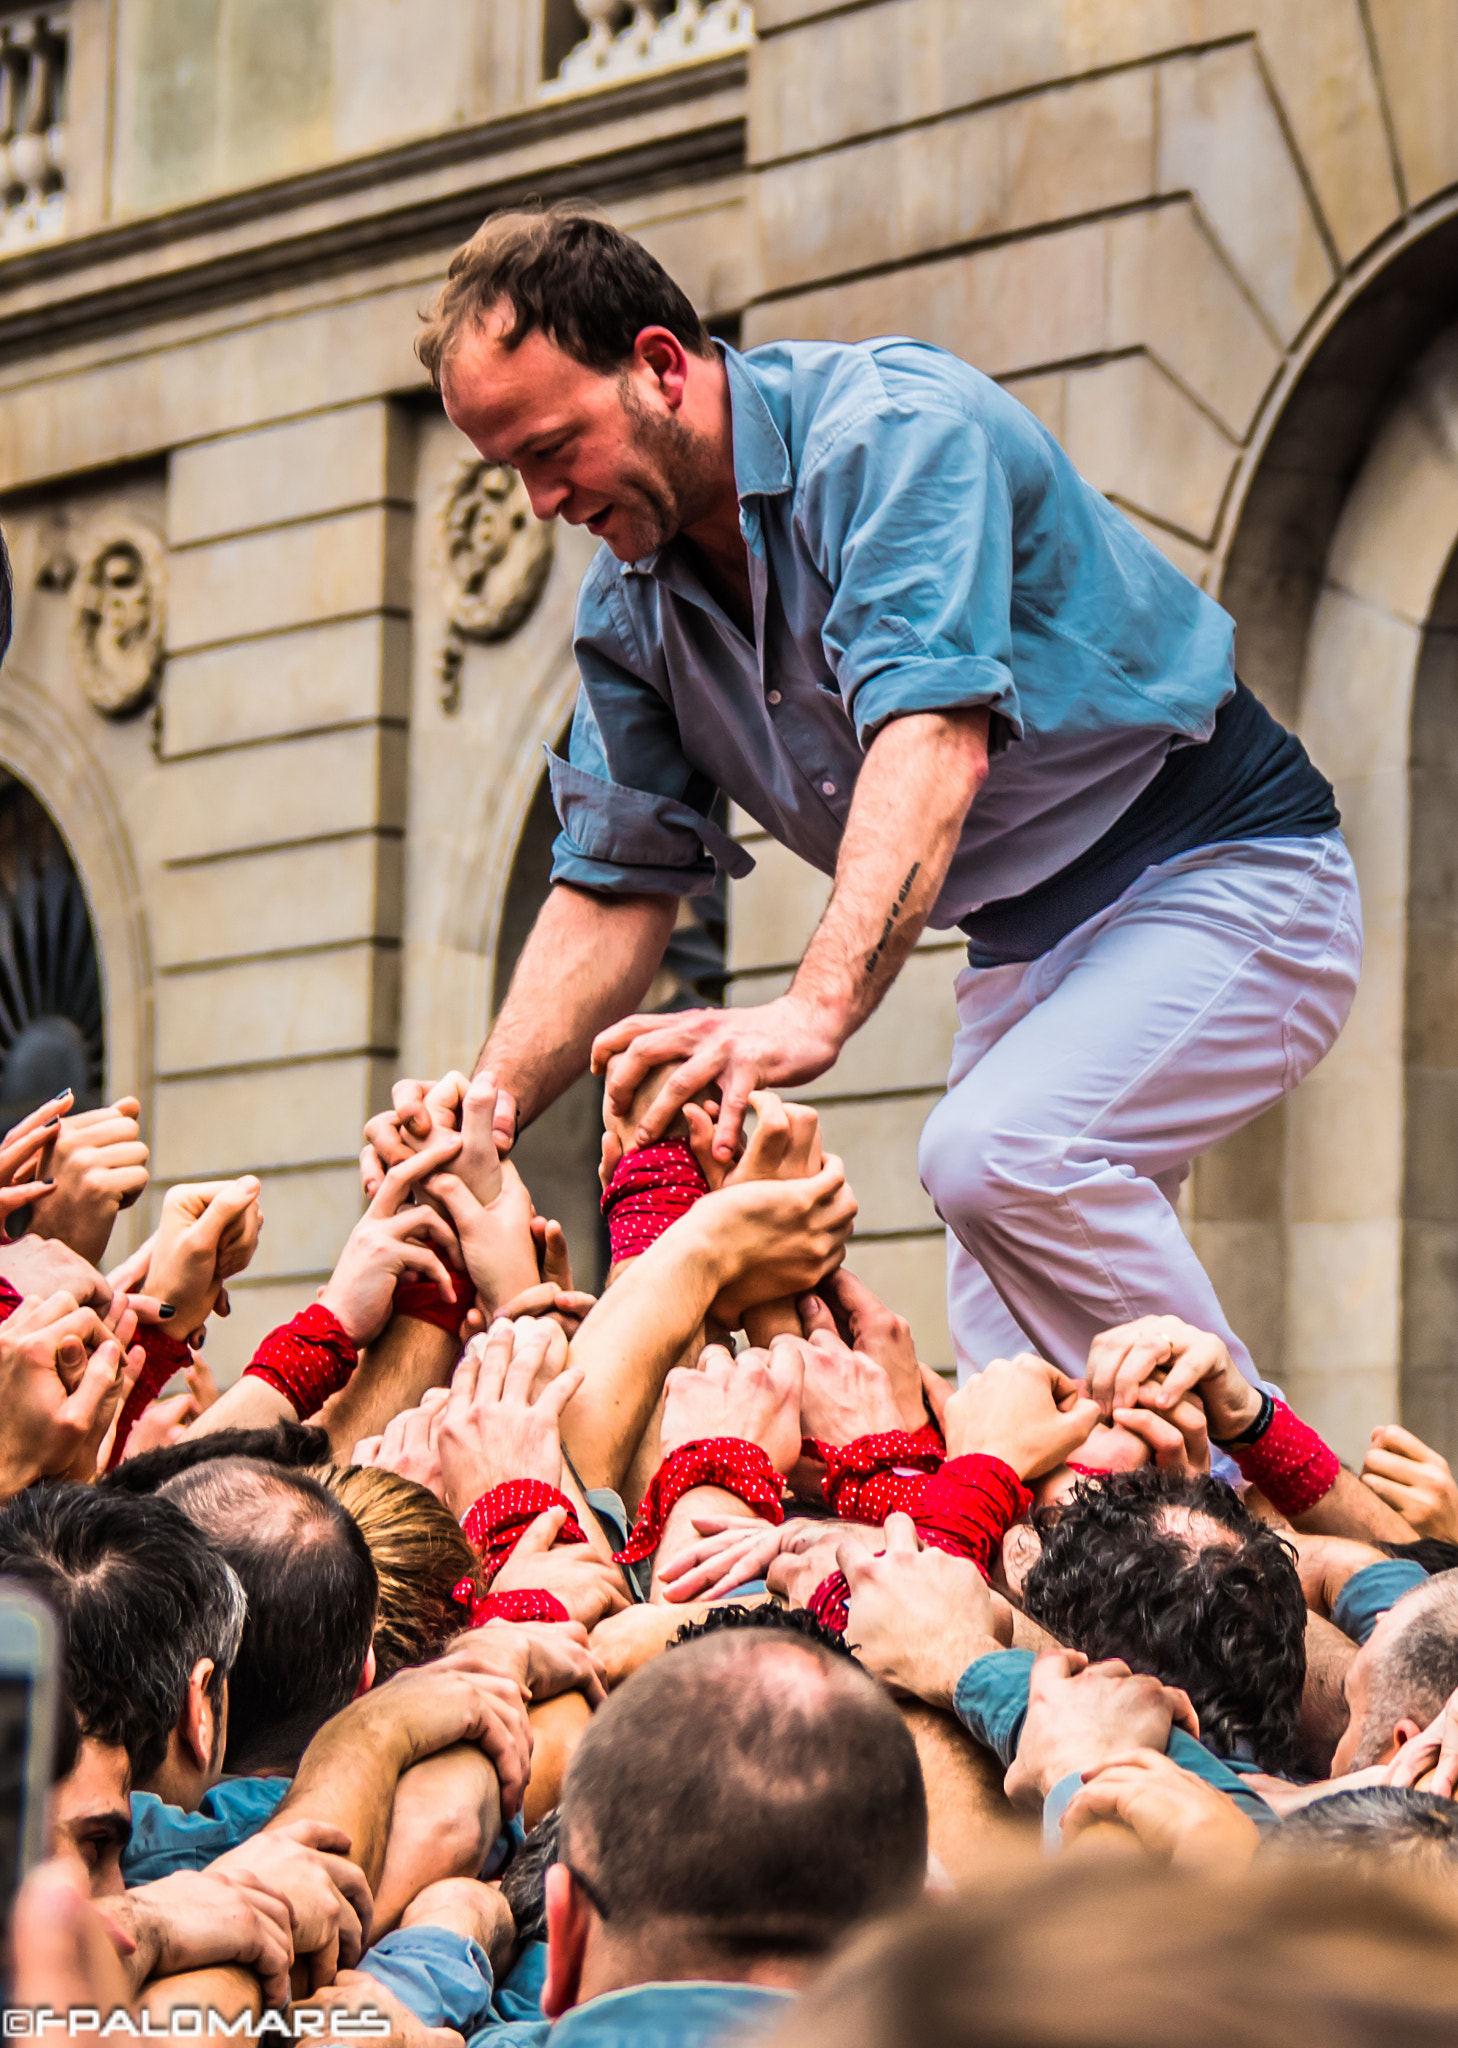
[912, 797]
[404, 1362]
[629, 1342]
[348, 1776]
[1351, 1509]
[227, 1989]
[587, 962]
[250, 1403]
[446, 1815]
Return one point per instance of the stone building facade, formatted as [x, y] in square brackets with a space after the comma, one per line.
[285, 655]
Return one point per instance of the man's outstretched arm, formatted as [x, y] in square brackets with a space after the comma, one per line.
[921, 774]
[588, 960]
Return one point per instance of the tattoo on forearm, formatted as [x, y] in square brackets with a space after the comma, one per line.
[873, 958]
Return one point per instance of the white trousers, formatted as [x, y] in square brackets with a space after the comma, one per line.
[1084, 1083]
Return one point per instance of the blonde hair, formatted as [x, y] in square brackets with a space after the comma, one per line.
[420, 1557]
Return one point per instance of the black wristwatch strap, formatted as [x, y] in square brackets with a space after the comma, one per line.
[1255, 1432]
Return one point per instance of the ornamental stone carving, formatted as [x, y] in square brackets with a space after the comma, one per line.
[118, 613]
[497, 556]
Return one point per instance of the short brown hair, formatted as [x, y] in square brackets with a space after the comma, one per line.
[566, 272]
[753, 1785]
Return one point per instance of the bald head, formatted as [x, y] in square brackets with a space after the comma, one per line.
[750, 1785]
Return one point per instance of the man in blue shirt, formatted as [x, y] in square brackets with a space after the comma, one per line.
[863, 593]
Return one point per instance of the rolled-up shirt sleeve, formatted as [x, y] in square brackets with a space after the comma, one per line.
[633, 811]
[909, 520]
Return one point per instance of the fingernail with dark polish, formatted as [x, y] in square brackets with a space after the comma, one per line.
[166, 1311]
[50, 1123]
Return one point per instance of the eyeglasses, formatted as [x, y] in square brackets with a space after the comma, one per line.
[589, 1890]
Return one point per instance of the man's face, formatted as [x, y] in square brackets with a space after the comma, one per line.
[91, 1814]
[608, 452]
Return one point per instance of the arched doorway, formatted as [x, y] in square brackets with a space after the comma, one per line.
[52, 1033]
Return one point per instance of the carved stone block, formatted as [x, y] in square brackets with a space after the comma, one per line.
[496, 557]
[118, 612]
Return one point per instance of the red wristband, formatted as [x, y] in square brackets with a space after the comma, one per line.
[726, 1461]
[495, 1523]
[967, 1505]
[880, 1475]
[651, 1188]
[419, 1298]
[1289, 1462]
[830, 1602]
[10, 1300]
[306, 1360]
[531, 1603]
[165, 1356]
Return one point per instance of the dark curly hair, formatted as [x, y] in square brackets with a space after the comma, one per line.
[792, 1621]
[1123, 1574]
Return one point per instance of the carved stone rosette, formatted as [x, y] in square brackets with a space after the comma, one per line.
[118, 612]
[496, 557]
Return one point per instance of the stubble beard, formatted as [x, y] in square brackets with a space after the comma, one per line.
[668, 489]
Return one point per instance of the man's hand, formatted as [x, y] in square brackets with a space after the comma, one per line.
[568, 1307]
[846, 1306]
[42, 1266]
[846, 1394]
[588, 1586]
[208, 1231]
[771, 1239]
[810, 1551]
[1413, 1479]
[408, 1445]
[543, 1657]
[1082, 1715]
[1121, 1361]
[737, 1051]
[755, 1396]
[917, 1617]
[729, 1552]
[1175, 1815]
[200, 1918]
[391, 1239]
[502, 1419]
[1178, 1437]
[428, 1707]
[496, 1240]
[63, 1376]
[307, 1862]
[1435, 1750]
[1021, 1410]
[99, 1165]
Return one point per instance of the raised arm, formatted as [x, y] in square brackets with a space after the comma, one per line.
[588, 960]
[921, 774]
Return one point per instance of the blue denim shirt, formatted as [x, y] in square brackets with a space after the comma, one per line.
[991, 1702]
[166, 1838]
[650, 2016]
[1368, 1594]
[917, 541]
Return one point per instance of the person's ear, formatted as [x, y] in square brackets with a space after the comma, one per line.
[665, 360]
[367, 1672]
[568, 1922]
[197, 1724]
[1404, 1731]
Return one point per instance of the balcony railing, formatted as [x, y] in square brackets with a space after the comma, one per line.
[33, 54]
[656, 35]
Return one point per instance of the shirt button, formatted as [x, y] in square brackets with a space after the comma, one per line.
[827, 789]
[774, 696]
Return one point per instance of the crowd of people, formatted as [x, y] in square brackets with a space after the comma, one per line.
[493, 1661]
